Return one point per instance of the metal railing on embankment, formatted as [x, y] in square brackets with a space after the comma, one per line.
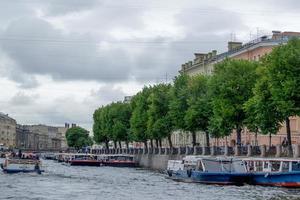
[262, 151]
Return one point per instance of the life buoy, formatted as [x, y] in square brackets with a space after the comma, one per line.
[189, 172]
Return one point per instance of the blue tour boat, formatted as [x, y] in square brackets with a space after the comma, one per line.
[273, 171]
[209, 170]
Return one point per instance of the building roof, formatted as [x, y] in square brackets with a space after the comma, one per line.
[275, 39]
[6, 117]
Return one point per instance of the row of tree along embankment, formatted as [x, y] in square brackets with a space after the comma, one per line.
[257, 95]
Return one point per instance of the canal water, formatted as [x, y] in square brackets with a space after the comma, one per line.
[91, 183]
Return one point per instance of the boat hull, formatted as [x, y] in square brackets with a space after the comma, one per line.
[21, 168]
[284, 179]
[85, 163]
[119, 164]
[221, 178]
[13, 171]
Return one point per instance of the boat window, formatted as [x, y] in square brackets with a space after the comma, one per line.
[199, 166]
[295, 166]
[250, 165]
[266, 165]
[285, 166]
[258, 165]
[275, 166]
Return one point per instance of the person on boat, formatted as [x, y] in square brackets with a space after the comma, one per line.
[20, 153]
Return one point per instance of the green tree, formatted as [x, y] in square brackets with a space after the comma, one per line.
[199, 106]
[283, 69]
[262, 111]
[78, 137]
[231, 87]
[119, 117]
[159, 124]
[100, 126]
[139, 118]
[179, 105]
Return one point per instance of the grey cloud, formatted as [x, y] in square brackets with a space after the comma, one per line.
[59, 7]
[106, 94]
[23, 99]
[38, 48]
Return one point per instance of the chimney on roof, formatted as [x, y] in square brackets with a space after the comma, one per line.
[234, 45]
[214, 53]
[67, 125]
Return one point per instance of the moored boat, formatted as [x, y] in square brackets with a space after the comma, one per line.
[274, 171]
[84, 160]
[119, 161]
[209, 170]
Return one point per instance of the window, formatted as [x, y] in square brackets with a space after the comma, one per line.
[199, 166]
[275, 166]
[258, 165]
[295, 166]
[285, 166]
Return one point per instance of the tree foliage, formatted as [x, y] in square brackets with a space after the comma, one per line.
[78, 137]
[139, 119]
[231, 87]
[159, 124]
[283, 68]
[199, 108]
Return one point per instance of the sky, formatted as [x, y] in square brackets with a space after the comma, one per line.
[62, 59]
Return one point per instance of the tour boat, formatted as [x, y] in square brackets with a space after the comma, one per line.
[118, 161]
[209, 170]
[274, 171]
[17, 165]
[84, 160]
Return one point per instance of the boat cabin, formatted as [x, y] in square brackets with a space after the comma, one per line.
[207, 164]
[272, 165]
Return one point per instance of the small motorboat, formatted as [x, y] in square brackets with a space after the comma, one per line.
[282, 172]
[209, 170]
[17, 165]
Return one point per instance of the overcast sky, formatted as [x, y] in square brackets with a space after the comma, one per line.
[61, 59]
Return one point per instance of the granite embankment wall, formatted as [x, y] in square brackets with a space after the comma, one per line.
[154, 161]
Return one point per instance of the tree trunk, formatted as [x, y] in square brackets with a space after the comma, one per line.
[170, 141]
[270, 140]
[256, 141]
[238, 136]
[151, 143]
[289, 138]
[127, 144]
[207, 138]
[145, 144]
[159, 143]
[115, 144]
[106, 144]
[120, 145]
[156, 143]
[194, 138]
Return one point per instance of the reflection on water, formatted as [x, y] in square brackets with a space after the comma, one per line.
[68, 182]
